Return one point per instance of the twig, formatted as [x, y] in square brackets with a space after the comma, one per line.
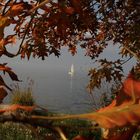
[131, 52]
[3, 12]
[94, 102]
[42, 108]
[127, 60]
[60, 133]
[39, 5]
[26, 31]
[43, 121]
[33, 13]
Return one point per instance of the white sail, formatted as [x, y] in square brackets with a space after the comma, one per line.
[71, 72]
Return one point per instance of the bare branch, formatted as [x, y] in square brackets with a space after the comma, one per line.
[60, 133]
[132, 53]
[39, 5]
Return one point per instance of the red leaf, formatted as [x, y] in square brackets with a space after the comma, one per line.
[69, 10]
[77, 5]
[13, 76]
[10, 39]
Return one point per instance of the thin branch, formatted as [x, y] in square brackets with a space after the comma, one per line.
[26, 31]
[39, 5]
[131, 52]
[25, 119]
[43, 121]
[126, 60]
[3, 12]
[33, 13]
[42, 108]
[60, 132]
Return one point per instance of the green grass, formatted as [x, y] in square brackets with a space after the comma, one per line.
[15, 131]
[20, 131]
[22, 96]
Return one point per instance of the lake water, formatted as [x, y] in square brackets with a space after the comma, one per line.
[53, 87]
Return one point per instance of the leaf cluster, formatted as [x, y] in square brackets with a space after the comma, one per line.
[108, 70]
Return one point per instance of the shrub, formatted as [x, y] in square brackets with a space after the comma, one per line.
[23, 96]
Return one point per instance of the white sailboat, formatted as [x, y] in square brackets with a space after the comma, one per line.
[71, 72]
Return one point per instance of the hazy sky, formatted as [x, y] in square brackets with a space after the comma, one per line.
[80, 61]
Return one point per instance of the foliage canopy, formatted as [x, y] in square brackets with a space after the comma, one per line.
[44, 27]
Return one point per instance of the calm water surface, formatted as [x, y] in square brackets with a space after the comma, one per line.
[53, 87]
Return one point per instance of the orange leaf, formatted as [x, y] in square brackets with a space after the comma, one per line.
[116, 116]
[4, 21]
[18, 8]
[2, 46]
[4, 68]
[73, 50]
[5, 108]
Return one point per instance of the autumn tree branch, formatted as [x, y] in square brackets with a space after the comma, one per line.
[20, 116]
[132, 53]
[26, 31]
[39, 5]
[126, 60]
[33, 13]
[5, 6]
